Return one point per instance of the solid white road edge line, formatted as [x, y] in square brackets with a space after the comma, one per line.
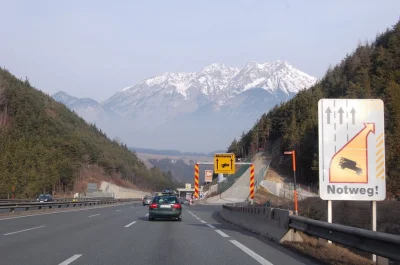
[71, 259]
[211, 226]
[93, 215]
[69, 211]
[204, 222]
[251, 253]
[128, 225]
[20, 231]
[221, 233]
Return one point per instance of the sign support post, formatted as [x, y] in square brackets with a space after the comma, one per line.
[373, 223]
[329, 215]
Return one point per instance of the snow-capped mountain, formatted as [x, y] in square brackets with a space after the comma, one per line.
[182, 106]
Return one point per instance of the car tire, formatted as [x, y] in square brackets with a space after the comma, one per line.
[151, 218]
[180, 219]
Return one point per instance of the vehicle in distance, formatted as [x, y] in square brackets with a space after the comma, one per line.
[44, 198]
[169, 191]
[165, 206]
[147, 200]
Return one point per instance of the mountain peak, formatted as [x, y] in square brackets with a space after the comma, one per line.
[63, 97]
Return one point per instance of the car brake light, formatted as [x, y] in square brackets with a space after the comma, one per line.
[177, 206]
[153, 206]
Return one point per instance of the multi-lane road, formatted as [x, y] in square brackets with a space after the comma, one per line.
[122, 234]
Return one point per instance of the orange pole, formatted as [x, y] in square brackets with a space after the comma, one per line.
[295, 184]
[196, 181]
[251, 181]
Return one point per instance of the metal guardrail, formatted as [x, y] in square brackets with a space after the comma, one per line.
[378, 243]
[54, 199]
[49, 205]
[381, 244]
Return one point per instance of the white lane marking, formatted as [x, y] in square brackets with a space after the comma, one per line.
[118, 210]
[93, 215]
[71, 259]
[69, 211]
[147, 214]
[20, 231]
[251, 253]
[204, 222]
[128, 225]
[211, 226]
[221, 233]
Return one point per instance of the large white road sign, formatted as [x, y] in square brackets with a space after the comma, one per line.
[351, 149]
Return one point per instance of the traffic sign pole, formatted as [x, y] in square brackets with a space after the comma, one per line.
[295, 184]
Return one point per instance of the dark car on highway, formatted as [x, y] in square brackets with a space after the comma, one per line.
[44, 198]
[165, 206]
[147, 200]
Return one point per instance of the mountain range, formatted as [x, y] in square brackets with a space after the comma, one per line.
[195, 111]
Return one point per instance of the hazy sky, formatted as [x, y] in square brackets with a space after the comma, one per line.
[94, 48]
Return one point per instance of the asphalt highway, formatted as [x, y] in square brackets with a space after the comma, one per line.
[122, 234]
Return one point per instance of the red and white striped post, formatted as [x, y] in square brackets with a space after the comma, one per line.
[196, 181]
[251, 181]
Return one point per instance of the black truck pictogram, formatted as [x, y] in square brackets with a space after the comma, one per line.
[350, 164]
[225, 165]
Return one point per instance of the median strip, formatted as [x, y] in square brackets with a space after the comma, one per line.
[20, 231]
[71, 259]
[251, 253]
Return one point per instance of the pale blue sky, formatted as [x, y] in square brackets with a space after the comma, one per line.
[93, 48]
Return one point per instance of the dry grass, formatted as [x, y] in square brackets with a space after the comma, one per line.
[95, 174]
[263, 195]
[272, 175]
[327, 253]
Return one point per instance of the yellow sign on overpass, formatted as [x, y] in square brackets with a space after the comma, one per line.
[224, 163]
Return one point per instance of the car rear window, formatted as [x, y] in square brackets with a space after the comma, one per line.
[166, 199]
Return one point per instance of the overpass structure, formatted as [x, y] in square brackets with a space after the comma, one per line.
[184, 190]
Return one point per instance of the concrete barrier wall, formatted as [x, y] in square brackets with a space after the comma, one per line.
[271, 186]
[269, 222]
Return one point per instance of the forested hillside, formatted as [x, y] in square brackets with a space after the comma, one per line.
[372, 71]
[44, 145]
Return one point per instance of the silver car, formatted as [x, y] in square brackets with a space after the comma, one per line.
[147, 200]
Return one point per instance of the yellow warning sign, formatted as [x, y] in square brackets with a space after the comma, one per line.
[224, 163]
